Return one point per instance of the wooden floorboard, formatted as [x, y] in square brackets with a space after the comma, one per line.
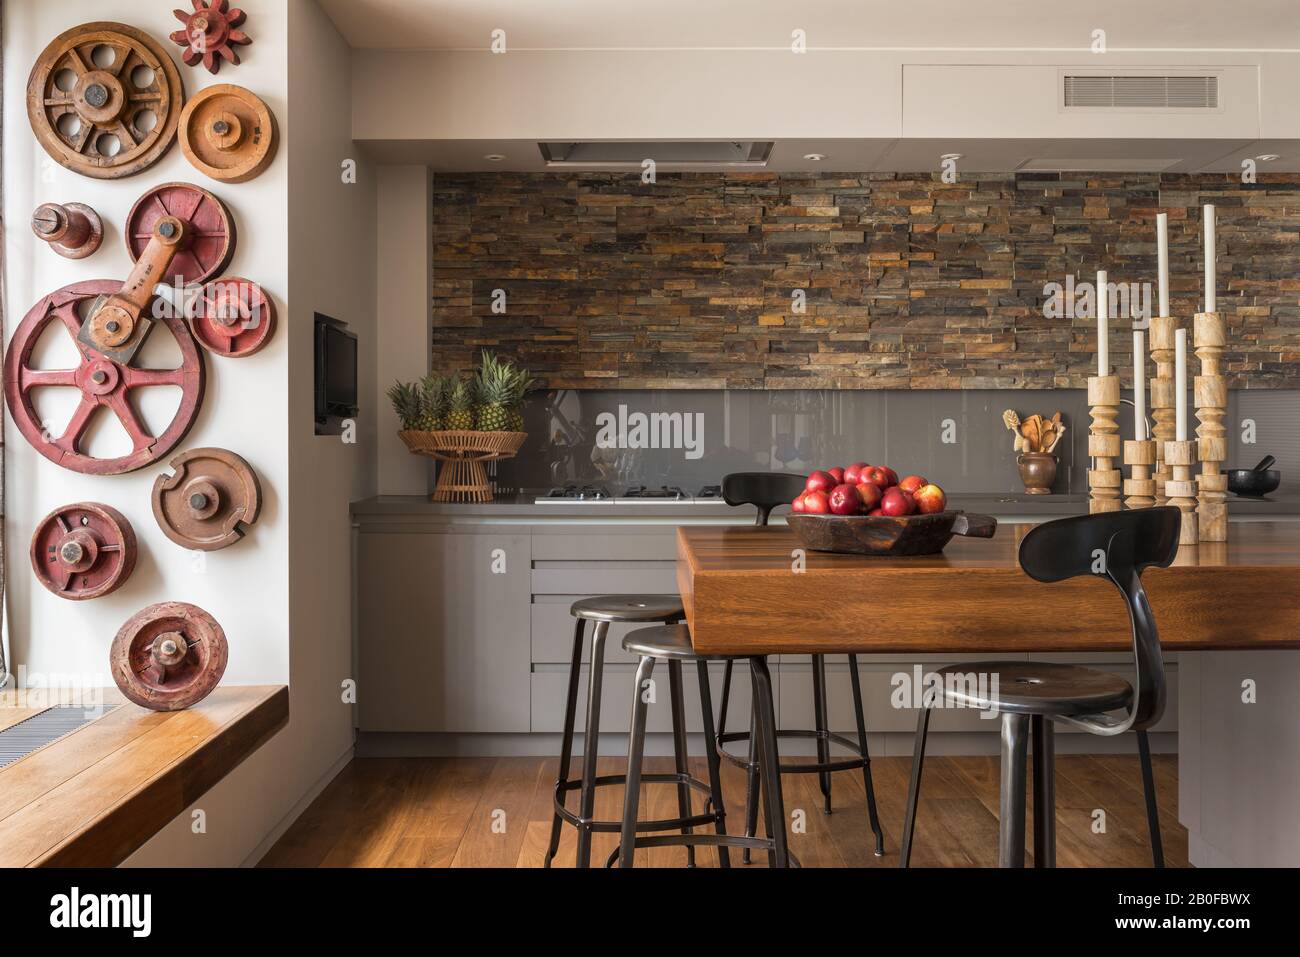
[496, 812]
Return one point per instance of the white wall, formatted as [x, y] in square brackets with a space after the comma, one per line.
[282, 598]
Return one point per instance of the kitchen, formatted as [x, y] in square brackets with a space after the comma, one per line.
[761, 338]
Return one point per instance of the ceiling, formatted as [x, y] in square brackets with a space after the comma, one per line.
[865, 24]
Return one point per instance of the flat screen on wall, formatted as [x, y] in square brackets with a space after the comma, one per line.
[336, 371]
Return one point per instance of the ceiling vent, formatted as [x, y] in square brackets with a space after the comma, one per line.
[1097, 91]
[727, 154]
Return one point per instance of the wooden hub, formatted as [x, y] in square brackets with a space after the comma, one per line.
[208, 231]
[83, 551]
[103, 383]
[104, 100]
[228, 133]
[209, 501]
[169, 656]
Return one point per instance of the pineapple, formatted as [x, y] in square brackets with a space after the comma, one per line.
[408, 403]
[496, 394]
[519, 386]
[460, 407]
[434, 413]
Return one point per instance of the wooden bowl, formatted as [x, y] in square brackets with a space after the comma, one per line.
[887, 535]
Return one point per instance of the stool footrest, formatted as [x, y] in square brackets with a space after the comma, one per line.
[613, 827]
[846, 764]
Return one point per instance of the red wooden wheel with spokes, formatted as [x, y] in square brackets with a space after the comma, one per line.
[102, 382]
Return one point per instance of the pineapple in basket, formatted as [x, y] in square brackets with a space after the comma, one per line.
[408, 403]
[520, 383]
[435, 389]
[496, 394]
[460, 407]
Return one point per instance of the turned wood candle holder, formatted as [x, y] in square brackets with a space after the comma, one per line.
[1210, 390]
[1181, 487]
[1162, 397]
[1104, 478]
[1140, 490]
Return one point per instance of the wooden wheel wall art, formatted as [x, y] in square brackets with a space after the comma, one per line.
[104, 100]
[209, 229]
[168, 656]
[227, 133]
[83, 551]
[102, 382]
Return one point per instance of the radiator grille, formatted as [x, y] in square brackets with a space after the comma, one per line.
[1161, 92]
[41, 729]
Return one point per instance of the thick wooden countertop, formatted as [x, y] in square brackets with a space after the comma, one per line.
[93, 797]
[745, 593]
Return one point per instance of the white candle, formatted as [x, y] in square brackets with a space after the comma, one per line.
[1103, 332]
[1180, 385]
[1208, 217]
[1162, 258]
[1139, 386]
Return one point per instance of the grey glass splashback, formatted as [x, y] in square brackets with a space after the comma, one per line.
[956, 438]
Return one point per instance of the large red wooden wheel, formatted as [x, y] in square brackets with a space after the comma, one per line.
[102, 382]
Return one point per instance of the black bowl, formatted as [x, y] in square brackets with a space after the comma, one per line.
[1253, 484]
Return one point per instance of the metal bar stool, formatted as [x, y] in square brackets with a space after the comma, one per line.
[766, 491]
[672, 643]
[603, 611]
[1031, 695]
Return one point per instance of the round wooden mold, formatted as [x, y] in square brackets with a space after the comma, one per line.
[103, 383]
[209, 228]
[233, 317]
[73, 230]
[104, 100]
[168, 656]
[228, 133]
[83, 551]
[211, 34]
[209, 500]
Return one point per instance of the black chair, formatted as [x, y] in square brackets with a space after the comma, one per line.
[765, 491]
[1117, 546]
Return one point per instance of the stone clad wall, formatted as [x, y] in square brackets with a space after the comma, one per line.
[910, 282]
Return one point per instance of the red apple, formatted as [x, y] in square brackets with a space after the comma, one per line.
[912, 483]
[877, 475]
[891, 477]
[853, 474]
[870, 495]
[844, 500]
[797, 504]
[820, 482]
[930, 499]
[875, 511]
[816, 503]
[837, 473]
[897, 502]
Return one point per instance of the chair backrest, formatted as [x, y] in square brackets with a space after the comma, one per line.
[765, 490]
[1118, 546]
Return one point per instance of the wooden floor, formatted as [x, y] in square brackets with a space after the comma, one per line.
[496, 812]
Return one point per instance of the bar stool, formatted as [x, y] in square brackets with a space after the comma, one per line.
[767, 490]
[1031, 695]
[603, 611]
[672, 643]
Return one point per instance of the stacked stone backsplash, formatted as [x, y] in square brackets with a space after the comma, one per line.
[910, 283]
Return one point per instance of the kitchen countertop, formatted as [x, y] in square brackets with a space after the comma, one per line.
[522, 507]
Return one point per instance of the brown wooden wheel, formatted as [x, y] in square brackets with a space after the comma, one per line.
[168, 656]
[228, 133]
[209, 501]
[104, 100]
[103, 382]
[83, 551]
[209, 231]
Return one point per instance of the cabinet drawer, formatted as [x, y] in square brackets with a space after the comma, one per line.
[627, 543]
[604, 578]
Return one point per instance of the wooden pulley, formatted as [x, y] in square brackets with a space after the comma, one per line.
[103, 383]
[209, 239]
[168, 656]
[83, 551]
[233, 317]
[211, 34]
[73, 230]
[209, 501]
[228, 133]
[104, 100]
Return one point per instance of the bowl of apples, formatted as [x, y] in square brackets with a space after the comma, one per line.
[868, 510]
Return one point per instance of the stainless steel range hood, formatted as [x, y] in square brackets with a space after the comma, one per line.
[722, 154]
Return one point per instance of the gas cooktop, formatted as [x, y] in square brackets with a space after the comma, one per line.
[632, 495]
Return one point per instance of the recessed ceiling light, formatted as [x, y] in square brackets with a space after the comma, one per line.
[1267, 157]
[950, 156]
[814, 157]
[494, 157]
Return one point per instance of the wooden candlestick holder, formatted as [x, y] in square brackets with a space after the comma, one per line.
[1162, 397]
[1103, 443]
[1140, 490]
[1210, 389]
[1181, 487]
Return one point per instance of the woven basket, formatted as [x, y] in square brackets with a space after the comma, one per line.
[463, 478]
